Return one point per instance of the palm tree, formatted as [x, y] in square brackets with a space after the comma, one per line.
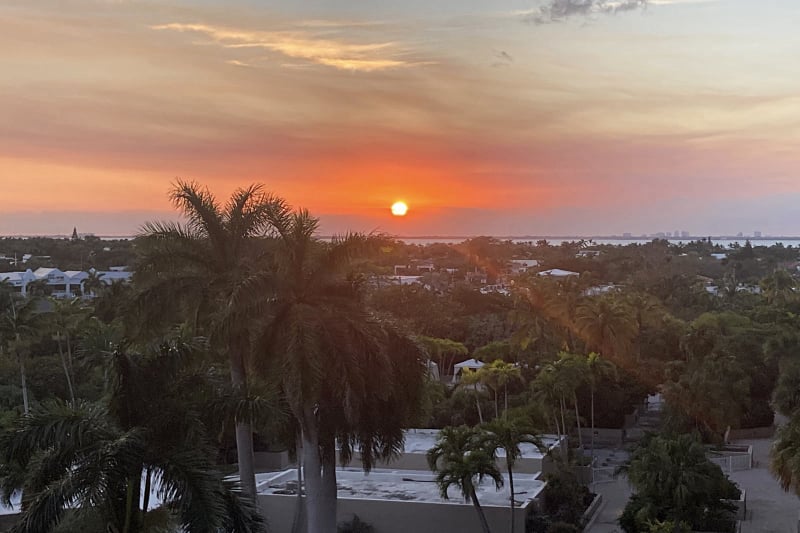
[64, 320]
[598, 369]
[606, 325]
[94, 457]
[549, 391]
[498, 374]
[459, 459]
[507, 435]
[674, 480]
[348, 376]
[572, 373]
[779, 287]
[93, 285]
[198, 272]
[20, 325]
[785, 456]
[473, 378]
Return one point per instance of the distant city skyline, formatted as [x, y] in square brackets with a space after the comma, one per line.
[551, 117]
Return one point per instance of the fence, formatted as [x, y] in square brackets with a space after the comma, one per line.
[734, 463]
[604, 474]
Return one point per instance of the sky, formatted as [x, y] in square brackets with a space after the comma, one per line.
[548, 117]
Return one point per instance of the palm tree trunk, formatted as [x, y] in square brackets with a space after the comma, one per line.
[478, 403]
[25, 404]
[563, 422]
[511, 488]
[66, 372]
[244, 432]
[481, 516]
[329, 490]
[126, 526]
[578, 421]
[592, 391]
[146, 503]
[297, 522]
[69, 354]
[505, 401]
[312, 467]
[496, 410]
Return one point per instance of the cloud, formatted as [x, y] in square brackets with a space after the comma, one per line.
[305, 46]
[559, 10]
[502, 58]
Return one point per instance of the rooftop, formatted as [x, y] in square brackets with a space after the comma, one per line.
[421, 440]
[403, 485]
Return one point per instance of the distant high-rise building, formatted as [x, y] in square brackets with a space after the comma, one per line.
[668, 234]
[757, 234]
[685, 234]
[740, 234]
[627, 235]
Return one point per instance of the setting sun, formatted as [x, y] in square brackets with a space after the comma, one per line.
[399, 209]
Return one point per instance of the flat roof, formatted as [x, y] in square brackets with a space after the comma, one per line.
[404, 485]
[421, 440]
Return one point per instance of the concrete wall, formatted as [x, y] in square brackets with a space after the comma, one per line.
[752, 433]
[398, 516]
[271, 461]
[603, 437]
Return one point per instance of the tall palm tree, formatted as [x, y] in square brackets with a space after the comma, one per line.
[460, 459]
[507, 435]
[572, 372]
[197, 272]
[20, 326]
[348, 376]
[497, 375]
[64, 319]
[785, 456]
[472, 378]
[598, 368]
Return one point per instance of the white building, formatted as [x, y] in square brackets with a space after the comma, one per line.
[399, 501]
[62, 284]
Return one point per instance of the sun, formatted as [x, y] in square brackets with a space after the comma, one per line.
[399, 209]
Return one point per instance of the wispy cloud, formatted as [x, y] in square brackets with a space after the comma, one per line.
[303, 45]
[559, 10]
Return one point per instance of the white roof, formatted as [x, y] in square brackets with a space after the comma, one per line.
[407, 485]
[76, 275]
[43, 272]
[114, 275]
[557, 272]
[470, 363]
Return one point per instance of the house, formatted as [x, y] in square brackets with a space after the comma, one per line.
[588, 253]
[558, 273]
[520, 266]
[61, 284]
[18, 280]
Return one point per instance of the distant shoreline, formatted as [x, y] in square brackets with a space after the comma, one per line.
[533, 238]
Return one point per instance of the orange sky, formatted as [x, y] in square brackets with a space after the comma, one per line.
[486, 117]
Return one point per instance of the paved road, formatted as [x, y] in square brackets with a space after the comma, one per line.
[769, 508]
